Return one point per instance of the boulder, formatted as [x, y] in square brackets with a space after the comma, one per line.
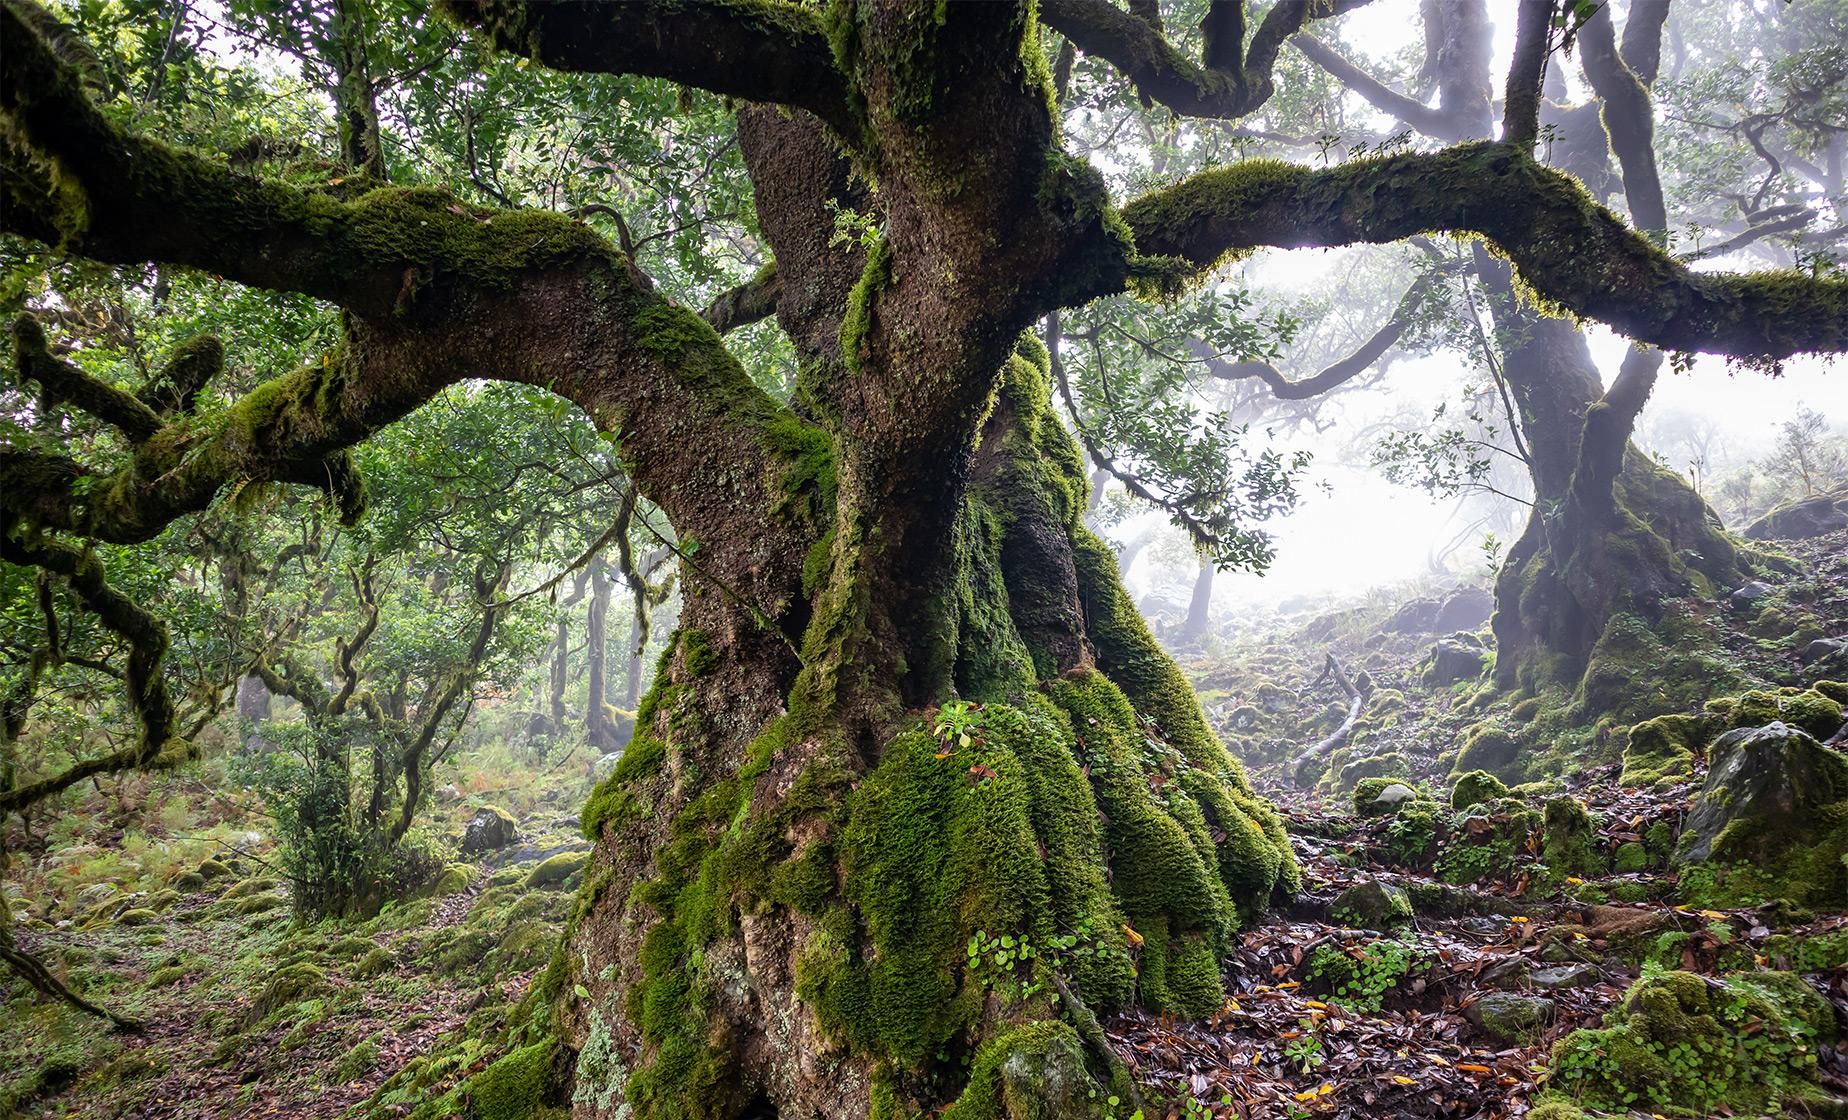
[1563, 977]
[1822, 649]
[1371, 904]
[1748, 595]
[1771, 811]
[1489, 746]
[1802, 519]
[1661, 750]
[1508, 1017]
[490, 829]
[1378, 797]
[1453, 660]
[1475, 787]
[1416, 617]
[1467, 609]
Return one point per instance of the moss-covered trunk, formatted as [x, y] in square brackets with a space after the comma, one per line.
[790, 906]
[1613, 537]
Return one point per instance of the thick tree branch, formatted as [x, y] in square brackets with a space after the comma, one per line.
[747, 303]
[769, 52]
[1629, 118]
[1223, 86]
[1568, 249]
[59, 381]
[147, 640]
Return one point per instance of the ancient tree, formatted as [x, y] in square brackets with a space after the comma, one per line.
[910, 721]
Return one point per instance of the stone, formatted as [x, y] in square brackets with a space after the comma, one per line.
[1466, 609]
[1764, 786]
[1822, 649]
[1508, 1017]
[1453, 660]
[1802, 519]
[1371, 904]
[1416, 617]
[1565, 976]
[490, 829]
[97, 892]
[1748, 595]
[1378, 797]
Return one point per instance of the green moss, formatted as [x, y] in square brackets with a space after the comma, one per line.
[1631, 858]
[454, 879]
[1474, 788]
[1491, 748]
[1661, 750]
[696, 653]
[287, 985]
[524, 1085]
[1744, 1044]
[1834, 690]
[1030, 1072]
[163, 977]
[556, 869]
[1569, 839]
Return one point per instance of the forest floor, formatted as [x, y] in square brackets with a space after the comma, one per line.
[1451, 1010]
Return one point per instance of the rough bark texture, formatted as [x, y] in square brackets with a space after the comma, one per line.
[801, 864]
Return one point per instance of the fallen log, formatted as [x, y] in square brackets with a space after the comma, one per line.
[1357, 701]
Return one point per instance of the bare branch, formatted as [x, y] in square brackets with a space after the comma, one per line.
[1336, 373]
[1224, 86]
[1435, 122]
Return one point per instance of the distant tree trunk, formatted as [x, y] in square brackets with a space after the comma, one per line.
[253, 711]
[597, 723]
[561, 653]
[1199, 608]
[355, 95]
[1613, 533]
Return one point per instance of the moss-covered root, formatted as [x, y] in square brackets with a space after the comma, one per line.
[1744, 1045]
[528, 1084]
[1035, 1072]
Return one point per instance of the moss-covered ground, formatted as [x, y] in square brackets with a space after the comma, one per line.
[251, 1010]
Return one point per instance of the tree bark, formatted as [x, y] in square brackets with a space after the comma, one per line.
[1199, 607]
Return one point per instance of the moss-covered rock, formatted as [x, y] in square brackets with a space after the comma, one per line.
[1661, 750]
[490, 829]
[1771, 822]
[377, 962]
[1489, 747]
[1745, 1045]
[1568, 838]
[1379, 797]
[555, 870]
[1630, 858]
[1509, 1016]
[454, 879]
[1371, 904]
[137, 916]
[287, 985]
[1474, 788]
